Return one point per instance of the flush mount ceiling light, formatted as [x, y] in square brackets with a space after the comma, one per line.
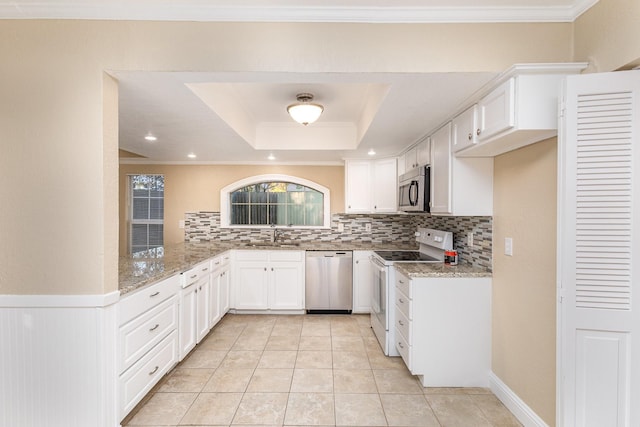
[150, 137]
[304, 111]
[371, 152]
[191, 156]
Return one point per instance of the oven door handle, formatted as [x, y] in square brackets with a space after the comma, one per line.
[413, 193]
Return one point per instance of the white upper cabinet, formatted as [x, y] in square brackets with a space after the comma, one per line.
[519, 108]
[418, 155]
[465, 129]
[371, 186]
[461, 187]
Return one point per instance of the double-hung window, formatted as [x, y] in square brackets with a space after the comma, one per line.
[146, 217]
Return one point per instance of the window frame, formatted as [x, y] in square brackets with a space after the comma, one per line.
[225, 200]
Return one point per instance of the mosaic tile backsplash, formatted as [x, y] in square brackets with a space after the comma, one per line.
[205, 226]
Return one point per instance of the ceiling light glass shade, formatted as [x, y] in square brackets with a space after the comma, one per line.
[304, 111]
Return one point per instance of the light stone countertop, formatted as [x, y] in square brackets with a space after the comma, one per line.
[149, 267]
[415, 270]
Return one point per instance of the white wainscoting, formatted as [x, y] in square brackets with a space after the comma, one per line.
[57, 360]
[521, 410]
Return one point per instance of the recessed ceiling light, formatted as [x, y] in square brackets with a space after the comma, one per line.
[150, 138]
[191, 156]
[271, 157]
[371, 152]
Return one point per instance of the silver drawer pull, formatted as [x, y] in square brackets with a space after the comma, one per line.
[194, 276]
[400, 322]
[401, 281]
[400, 345]
[154, 370]
[155, 327]
[205, 269]
[401, 301]
[155, 294]
[217, 262]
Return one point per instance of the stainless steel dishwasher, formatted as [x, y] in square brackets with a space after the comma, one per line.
[329, 282]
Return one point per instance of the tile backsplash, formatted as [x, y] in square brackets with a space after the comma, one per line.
[397, 229]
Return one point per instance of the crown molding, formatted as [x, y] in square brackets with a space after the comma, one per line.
[190, 10]
[136, 161]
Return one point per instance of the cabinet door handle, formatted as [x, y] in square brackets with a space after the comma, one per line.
[400, 323]
[478, 131]
[155, 327]
[401, 301]
[470, 136]
[155, 294]
[357, 262]
[400, 345]
[265, 269]
[154, 370]
[271, 268]
[401, 281]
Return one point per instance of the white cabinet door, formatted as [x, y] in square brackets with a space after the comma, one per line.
[188, 328]
[286, 286]
[223, 291]
[411, 159]
[385, 186]
[251, 286]
[358, 194]
[214, 298]
[496, 111]
[362, 282]
[423, 152]
[202, 307]
[371, 186]
[465, 129]
[441, 170]
[400, 164]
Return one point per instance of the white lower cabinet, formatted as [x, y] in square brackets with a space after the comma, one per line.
[224, 291]
[194, 306]
[147, 340]
[443, 329]
[268, 280]
[362, 281]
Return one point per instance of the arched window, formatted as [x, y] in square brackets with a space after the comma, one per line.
[275, 200]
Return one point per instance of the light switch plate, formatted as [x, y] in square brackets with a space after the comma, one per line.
[181, 223]
[508, 246]
[340, 227]
[367, 226]
[470, 239]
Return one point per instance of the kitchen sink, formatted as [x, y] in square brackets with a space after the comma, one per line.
[274, 244]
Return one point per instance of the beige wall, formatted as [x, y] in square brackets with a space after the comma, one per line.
[608, 35]
[57, 164]
[524, 285]
[197, 188]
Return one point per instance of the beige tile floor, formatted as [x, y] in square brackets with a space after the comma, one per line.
[317, 370]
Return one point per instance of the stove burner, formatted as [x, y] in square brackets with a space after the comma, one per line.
[406, 256]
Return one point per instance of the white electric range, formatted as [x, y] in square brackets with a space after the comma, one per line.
[433, 244]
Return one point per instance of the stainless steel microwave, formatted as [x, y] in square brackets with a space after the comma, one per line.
[414, 192]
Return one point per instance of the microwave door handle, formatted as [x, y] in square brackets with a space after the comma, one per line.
[413, 191]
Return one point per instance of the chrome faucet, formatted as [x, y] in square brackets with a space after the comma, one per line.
[275, 234]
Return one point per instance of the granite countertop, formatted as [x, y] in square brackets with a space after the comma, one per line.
[416, 270]
[146, 268]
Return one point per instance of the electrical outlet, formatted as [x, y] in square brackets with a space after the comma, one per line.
[367, 227]
[181, 223]
[508, 246]
[470, 239]
[340, 227]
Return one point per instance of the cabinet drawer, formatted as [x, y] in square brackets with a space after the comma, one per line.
[142, 376]
[286, 256]
[403, 303]
[216, 263]
[143, 333]
[131, 306]
[403, 325]
[404, 349]
[403, 283]
[192, 275]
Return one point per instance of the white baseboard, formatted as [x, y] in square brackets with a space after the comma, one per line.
[521, 410]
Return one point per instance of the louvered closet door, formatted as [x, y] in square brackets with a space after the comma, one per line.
[599, 252]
